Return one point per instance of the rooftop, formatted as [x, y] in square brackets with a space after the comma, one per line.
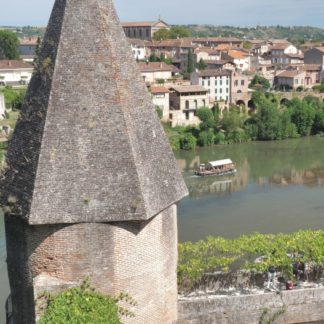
[88, 147]
[15, 65]
[189, 88]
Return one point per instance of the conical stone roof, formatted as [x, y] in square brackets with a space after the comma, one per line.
[89, 146]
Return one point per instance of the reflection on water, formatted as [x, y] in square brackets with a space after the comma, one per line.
[279, 187]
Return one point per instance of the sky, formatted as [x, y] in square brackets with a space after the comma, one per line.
[215, 12]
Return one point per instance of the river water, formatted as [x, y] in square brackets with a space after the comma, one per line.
[279, 187]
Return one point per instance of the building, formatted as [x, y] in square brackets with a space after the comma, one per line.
[91, 182]
[290, 79]
[240, 94]
[285, 54]
[172, 48]
[240, 58]
[27, 48]
[217, 83]
[184, 102]
[228, 42]
[161, 99]
[316, 56]
[14, 72]
[157, 72]
[143, 30]
[139, 48]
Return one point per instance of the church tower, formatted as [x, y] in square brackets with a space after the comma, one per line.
[91, 184]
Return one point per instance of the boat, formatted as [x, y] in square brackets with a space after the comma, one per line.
[218, 168]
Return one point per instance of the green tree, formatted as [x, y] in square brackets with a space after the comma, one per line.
[207, 118]
[188, 142]
[201, 65]
[154, 58]
[259, 83]
[302, 115]
[8, 45]
[190, 62]
[161, 34]
[172, 33]
[179, 32]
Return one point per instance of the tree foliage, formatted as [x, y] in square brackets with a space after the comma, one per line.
[8, 45]
[80, 305]
[260, 83]
[172, 33]
[220, 254]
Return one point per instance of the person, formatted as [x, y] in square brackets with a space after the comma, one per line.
[272, 274]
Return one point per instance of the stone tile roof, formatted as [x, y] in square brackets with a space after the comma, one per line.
[14, 65]
[290, 74]
[214, 72]
[142, 23]
[189, 88]
[157, 67]
[89, 146]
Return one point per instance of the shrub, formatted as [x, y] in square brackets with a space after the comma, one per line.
[80, 305]
[188, 142]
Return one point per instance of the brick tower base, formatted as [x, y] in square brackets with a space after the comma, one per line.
[137, 258]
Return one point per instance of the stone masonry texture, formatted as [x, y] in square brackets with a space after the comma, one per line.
[89, 146]
[90, 185]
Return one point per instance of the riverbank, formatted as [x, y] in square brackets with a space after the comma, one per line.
[271, 120]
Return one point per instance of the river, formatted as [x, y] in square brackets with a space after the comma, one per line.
[279, 187]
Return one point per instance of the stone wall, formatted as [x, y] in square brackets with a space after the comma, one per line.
[301, 306]
[137, 258]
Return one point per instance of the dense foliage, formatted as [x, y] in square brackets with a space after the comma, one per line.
[271, 120]
[8, 45]
[83, 305]
[220, 254]
[172, 33]
[13, 98]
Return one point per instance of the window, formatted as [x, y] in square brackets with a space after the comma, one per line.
[227, 98]
[204, 102]
[221, 82]
[187, 104]
[227, 81]
[220, 90]
[236, 83]
[187, 115]
[196, 104]
[226, 90]
[242, 82]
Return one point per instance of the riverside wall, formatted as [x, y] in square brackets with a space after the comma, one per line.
[300, 306]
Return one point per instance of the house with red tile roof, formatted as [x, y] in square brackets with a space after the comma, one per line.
[14, 72]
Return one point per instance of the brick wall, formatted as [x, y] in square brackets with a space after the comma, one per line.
[137, 258]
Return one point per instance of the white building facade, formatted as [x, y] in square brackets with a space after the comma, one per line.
[217, 83]
[15, 72]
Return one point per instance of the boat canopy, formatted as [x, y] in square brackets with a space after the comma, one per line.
[220, 162]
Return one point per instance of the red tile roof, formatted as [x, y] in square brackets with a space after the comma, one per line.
[14, 65]
[159, 90]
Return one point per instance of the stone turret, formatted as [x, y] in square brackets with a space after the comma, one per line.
[91, 183]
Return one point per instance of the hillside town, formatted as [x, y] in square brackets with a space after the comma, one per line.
[187, 73]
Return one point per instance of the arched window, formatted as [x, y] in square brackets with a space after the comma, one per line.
[187, 104]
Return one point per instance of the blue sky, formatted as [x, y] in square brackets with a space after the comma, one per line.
[237, 12]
